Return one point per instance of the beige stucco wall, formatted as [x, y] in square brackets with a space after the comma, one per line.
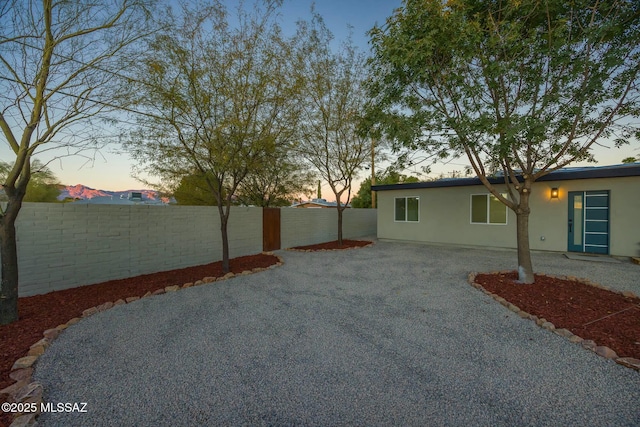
[445, 216]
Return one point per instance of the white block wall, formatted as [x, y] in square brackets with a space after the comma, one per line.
[67, 245]
[62, 246]
[300, 227]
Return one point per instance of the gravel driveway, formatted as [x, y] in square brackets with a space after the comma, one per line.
[386, 335]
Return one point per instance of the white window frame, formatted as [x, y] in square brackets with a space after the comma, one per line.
[488, 222]
[406, 208]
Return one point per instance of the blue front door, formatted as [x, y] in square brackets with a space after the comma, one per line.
[588, 222]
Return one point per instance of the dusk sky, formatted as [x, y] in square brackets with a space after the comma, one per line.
[111, 170]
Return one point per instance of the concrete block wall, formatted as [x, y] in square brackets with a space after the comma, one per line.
[62, 246]
[67, 245]
[302, 227]
[360, 223]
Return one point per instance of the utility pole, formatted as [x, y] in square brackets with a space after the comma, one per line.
[373, 172]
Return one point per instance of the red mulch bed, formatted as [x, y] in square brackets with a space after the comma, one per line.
[578, 307]
[606, 317]
[41, 312]
[346, 244]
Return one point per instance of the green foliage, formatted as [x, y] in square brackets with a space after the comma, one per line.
[217, 102]
[278, 183]
[43, 185]
[631, 159]
[332, 101]
[518, 86]
[363, 198]
[40, 192]
[193, 190]
[218, 94]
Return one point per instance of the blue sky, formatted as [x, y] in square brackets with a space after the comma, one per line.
[111, 170]
[362, 15]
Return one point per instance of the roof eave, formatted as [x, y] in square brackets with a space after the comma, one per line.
[617, 171]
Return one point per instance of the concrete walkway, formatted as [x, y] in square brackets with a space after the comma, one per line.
[386, 335]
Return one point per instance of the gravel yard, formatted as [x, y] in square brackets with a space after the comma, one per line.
[386, 335]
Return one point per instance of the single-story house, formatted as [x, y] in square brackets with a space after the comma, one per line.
[316, 203]
[586, 209]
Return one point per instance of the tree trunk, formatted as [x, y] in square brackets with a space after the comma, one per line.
[225, 246]
[373, 173]
[224, 219]
[525, 266]
[339, 223]
[9, 254]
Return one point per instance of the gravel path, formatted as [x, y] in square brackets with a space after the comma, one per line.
[386, 335]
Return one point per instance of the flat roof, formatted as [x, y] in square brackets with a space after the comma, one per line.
[565, 174]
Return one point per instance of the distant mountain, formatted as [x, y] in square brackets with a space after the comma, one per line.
[83, 192]
[80, 192]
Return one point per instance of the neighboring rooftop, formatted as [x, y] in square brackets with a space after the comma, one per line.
[132, 198]
[564, 174]
[315, 203]
[82, 194]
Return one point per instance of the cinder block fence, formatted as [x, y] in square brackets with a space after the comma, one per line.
[67, 245]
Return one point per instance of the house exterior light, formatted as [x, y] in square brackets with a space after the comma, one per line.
[555, 193]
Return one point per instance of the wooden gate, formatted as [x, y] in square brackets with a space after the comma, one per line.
[270, 229]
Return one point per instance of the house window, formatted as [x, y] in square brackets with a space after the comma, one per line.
[407, 209]
[487, 209]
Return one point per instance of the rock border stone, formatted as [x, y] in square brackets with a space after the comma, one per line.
[602, 350]
[26, 391]
[332, 250]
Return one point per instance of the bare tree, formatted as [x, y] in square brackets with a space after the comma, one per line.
[57, 62]
[332, 103]
[217, 94]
